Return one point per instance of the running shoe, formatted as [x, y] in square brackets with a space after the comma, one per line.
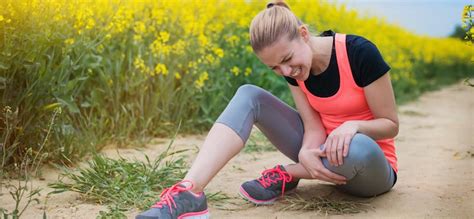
[178, 202]
[272, 184]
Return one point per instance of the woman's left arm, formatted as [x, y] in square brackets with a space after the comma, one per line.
[381, 101]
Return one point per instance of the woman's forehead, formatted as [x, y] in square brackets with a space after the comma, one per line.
[276, 52]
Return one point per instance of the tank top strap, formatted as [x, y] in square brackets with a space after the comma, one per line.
[343, 63]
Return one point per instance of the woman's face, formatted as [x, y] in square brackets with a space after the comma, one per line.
[288, 58]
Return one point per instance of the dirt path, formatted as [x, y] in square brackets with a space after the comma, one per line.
[435, 149]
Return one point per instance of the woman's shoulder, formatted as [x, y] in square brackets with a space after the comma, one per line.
[352, 40]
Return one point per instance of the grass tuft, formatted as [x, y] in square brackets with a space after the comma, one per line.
[323, 205]
[122, 183]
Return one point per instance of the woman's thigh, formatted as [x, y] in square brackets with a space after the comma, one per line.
[280, 123]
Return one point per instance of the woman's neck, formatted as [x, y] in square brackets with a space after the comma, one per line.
[322, 48]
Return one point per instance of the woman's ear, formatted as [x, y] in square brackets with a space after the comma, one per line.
[304, 32]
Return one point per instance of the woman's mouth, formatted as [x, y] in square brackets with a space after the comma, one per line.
[296, 72]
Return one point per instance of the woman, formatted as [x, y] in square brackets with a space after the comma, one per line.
[342, 131]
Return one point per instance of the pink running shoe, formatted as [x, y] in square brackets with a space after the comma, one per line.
[266, 189]
[177, 202]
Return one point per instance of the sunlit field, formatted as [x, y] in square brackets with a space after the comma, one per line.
[123, 71]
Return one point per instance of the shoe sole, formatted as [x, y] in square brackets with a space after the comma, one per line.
[247, 197]
[195, 215]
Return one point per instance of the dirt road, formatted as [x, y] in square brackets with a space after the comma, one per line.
[435, 148]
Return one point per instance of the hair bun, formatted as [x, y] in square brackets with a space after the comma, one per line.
[278, 3]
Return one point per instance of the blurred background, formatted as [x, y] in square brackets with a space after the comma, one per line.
[78, 75]
[435, 18]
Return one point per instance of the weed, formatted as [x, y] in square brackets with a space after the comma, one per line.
[323, 205]
[258, 143]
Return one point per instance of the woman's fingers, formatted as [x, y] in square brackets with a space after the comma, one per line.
[340, 147]
[335, 142]
[347, 143]
[323, 173]
[329, 150]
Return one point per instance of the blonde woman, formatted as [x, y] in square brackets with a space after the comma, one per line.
[342, 131]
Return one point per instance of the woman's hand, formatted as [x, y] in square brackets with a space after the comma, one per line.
[337, 143]
[311, 161]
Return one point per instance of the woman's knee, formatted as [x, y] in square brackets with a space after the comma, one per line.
[363, 149]
[249, 92]
[363, 153]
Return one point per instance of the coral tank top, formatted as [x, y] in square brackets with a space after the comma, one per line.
[349, 103]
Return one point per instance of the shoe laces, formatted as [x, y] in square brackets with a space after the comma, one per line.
[166, 197]
[273, 176]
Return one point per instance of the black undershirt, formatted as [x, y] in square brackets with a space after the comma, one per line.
[366, 63]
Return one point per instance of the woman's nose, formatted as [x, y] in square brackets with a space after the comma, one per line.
[286, 70]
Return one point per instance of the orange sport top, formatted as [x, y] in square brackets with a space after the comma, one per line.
[349, 103]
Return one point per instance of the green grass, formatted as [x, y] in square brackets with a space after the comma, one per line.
[258, 143]
[122, 184]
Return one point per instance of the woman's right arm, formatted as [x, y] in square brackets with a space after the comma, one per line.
[314, 136]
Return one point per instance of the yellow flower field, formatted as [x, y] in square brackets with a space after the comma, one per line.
[126, 71]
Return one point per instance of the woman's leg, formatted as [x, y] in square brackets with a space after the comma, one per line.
[250, 105]
[221, 144]
[365, 167]
[367, 170]
[282, 125]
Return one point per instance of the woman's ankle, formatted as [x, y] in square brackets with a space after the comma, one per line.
[196, 189]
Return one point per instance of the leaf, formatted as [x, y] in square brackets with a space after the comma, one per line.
[51, 106]
[86, 104]
[70, 105]
[4, 66]
[3, 83]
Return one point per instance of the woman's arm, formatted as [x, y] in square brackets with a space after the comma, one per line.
[381, 101]
[314, 132]
[314, 136]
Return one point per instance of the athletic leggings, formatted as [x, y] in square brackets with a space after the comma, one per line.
[367, 170]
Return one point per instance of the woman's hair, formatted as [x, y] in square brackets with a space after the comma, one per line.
[271, 24]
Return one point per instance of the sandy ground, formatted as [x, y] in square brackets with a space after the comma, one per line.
[435, 148]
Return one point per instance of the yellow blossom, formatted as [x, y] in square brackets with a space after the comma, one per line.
[235, 70]
[192, 64]
[137, 38]
[164, 36]
[203, 77]
[203, 41]
[69, 41]
[139, 27]
[161, 69]
[232, 40]
[177, 76]
[1, 18]
[139, 64]
[100, 48]
[158, 48]
[210, 59]
[90, 23]
[248, 71]
[218, 51]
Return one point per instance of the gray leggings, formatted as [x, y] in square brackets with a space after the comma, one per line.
[367, 170]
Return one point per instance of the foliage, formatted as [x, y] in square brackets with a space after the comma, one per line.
[123, 71]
